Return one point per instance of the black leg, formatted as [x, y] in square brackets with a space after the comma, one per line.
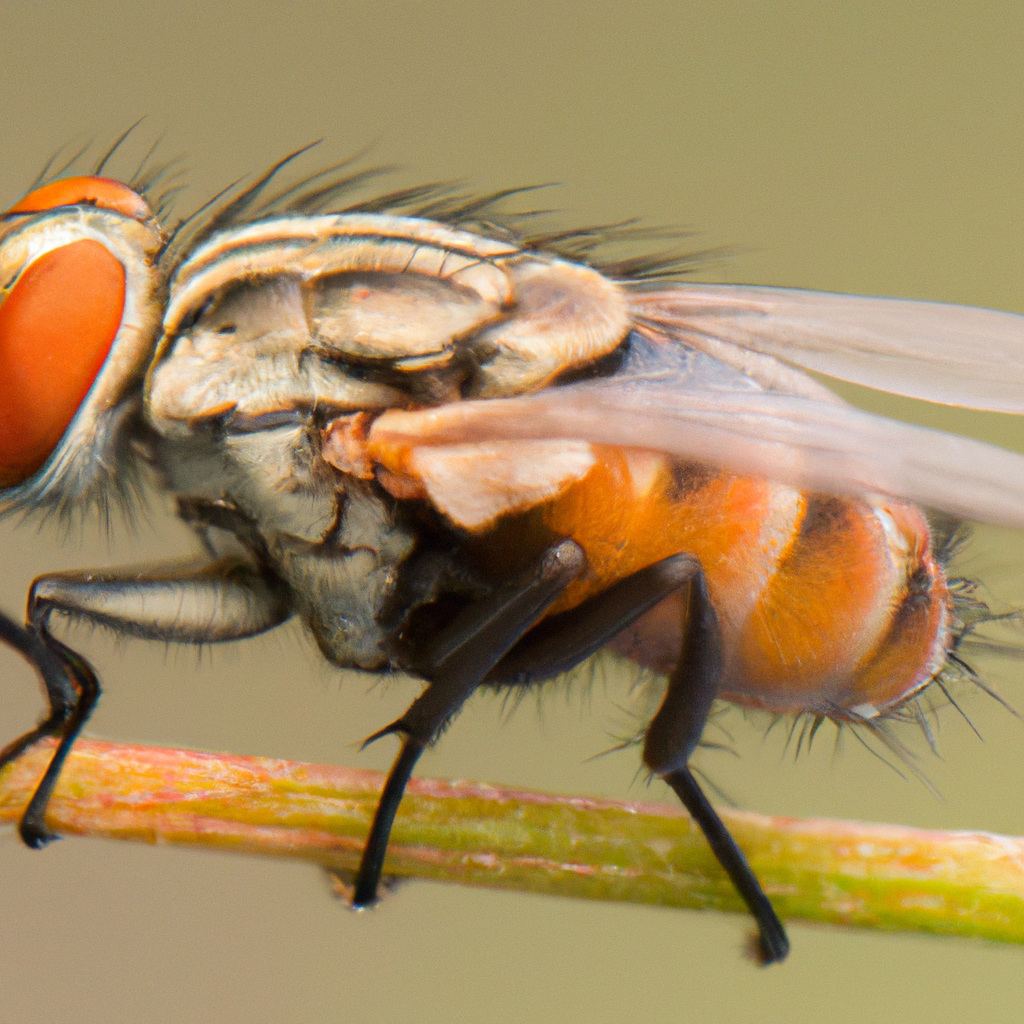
[675, 731]
[563, 641]
[371, 865]
[219, 601]
[456, 663]
[773, 944]
[671, 739]
[202, 515]
[72, 691]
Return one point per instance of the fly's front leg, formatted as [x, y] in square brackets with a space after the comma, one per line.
[224, 600]
[456, 662]
[72, 690]
[563, 641]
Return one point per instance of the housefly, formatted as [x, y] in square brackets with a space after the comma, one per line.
[475, 456]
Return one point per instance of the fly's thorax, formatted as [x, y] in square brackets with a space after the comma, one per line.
[345, 584]
[274, 476]
[252, 354]
[337, 542]
[365, 312]
[276, 329]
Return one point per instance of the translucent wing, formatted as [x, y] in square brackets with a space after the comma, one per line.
[670, 397]
[955, 355]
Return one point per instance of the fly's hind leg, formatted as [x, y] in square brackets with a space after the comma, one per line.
[563, 641]
[455, 663]
[224, 600]
[672, 737]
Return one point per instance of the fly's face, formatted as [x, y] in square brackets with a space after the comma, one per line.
[80, 307]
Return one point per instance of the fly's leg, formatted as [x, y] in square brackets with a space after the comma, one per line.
[456, 663]
[672, 737]
[72, 690]
[563, 641]
[203, 515]
[772, 941]
[224, 600]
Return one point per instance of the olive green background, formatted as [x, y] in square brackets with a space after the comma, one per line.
[868, 147]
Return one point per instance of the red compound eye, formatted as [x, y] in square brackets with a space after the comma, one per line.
[102, 192]
[56, 328]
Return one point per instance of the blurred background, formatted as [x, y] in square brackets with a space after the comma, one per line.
[868, 147]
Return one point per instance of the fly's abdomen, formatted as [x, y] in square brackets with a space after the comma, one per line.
[853, 621]
[917, 637]
[826, 604]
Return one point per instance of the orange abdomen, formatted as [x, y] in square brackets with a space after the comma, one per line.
[828, 605]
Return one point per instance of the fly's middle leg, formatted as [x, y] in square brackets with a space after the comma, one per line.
[456, 662]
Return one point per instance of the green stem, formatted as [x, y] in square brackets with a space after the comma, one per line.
[847, 873]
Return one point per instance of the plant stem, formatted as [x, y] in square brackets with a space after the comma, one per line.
[838, 872]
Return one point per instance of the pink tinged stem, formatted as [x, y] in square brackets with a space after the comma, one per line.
[838, 872]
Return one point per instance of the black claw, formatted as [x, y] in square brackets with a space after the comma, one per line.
[389, 730]
[772, 948]
[34, 837]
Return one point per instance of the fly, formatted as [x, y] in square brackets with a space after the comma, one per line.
[462, 453]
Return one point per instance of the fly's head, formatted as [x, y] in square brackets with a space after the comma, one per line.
[81, 295]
